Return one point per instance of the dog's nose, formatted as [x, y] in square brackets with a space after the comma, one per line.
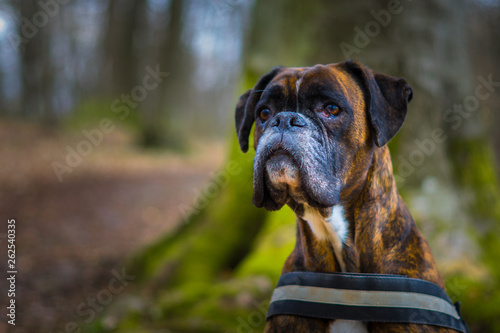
[286, 120]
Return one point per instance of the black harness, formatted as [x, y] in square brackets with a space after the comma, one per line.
[364, 297]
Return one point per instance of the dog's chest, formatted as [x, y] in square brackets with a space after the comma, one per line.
[348, 326]
[332, 229]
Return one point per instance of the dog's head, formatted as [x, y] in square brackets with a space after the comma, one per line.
[316, 129]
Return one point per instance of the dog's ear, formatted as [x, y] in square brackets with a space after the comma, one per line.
[387, 101]
[245, 108]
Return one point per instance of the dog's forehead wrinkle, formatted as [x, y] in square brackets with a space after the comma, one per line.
[297, 87]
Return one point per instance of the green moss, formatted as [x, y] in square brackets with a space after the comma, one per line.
[148, 261]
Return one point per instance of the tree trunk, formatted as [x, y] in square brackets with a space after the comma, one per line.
[36, 65]
[162, 112]
[169, 57]
[123, 17]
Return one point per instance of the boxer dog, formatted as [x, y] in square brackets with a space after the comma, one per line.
[321, 137]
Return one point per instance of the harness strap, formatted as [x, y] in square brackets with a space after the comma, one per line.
[364, 297]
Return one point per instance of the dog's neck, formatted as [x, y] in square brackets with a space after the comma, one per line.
[360, 234]
[329, 227]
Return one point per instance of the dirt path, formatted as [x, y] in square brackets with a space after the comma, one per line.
[71, 235]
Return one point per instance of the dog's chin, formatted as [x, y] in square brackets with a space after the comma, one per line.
[282, 171]
[283, 184]
[282, 181]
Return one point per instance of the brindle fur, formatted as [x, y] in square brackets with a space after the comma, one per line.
[383, 237]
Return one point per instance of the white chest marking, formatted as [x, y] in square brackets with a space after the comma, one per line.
[348, 326]
[338, 223]
[332, 229]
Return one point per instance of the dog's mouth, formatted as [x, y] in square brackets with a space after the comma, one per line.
[286, 172]
[276, 176]
[282, 178]
[282, 169]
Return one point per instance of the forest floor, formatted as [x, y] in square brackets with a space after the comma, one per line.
[74, 236]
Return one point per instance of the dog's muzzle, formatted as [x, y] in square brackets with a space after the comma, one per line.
[291, 164]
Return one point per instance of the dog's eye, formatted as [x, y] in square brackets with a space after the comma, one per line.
[330, 111]
[265, 114]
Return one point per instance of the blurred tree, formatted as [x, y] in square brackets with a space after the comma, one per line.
[122, 58]
[170, 98]
[485, 50]
[88, 52]
[139, 37]
[36, 64]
